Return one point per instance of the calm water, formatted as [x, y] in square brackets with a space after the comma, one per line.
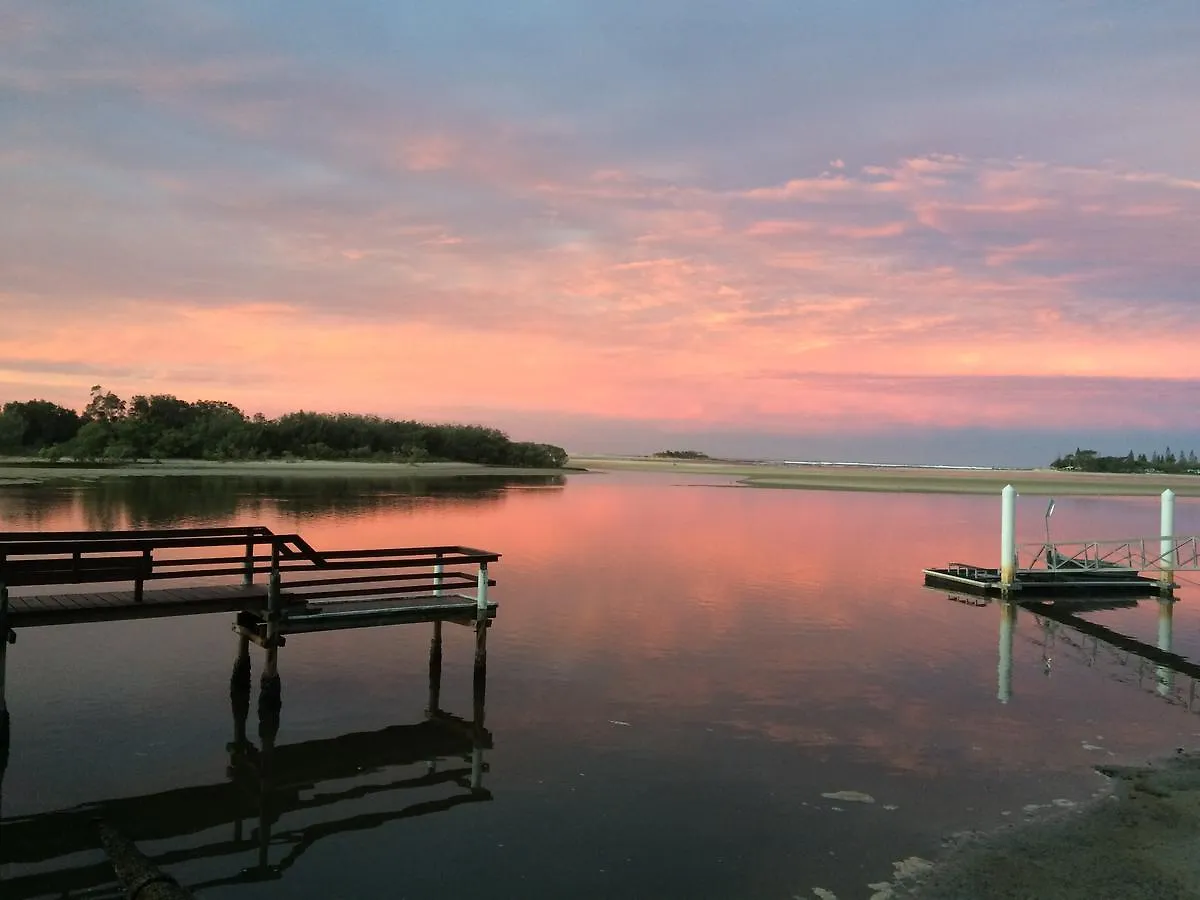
[677, 674]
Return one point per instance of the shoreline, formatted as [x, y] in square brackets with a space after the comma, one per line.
[906, 480]
[25, 471]
[1136, 839]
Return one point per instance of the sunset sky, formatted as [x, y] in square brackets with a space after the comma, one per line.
[868, 229]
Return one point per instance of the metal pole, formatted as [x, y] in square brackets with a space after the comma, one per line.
[1008, 621]
[438, 568]
[1166, 539]
[1008, 535]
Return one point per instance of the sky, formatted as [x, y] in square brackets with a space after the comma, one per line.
[923, 231]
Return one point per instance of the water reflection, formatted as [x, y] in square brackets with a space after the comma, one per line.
[1065, 635]
[161, 501]
[276, 797]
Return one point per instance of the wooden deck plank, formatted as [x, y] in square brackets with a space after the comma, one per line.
[61, 609]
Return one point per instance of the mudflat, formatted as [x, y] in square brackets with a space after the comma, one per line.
[1136, 842]
[915, 480]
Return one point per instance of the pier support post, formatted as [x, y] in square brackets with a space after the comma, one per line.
[1008, 622]
[481, 621]
[239, 679]
[239, 696]
[1166, 531]
[5, 639]
[435, 670]
[1008, 536]
[270, 689]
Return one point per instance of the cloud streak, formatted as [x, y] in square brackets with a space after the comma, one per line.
[195, 196]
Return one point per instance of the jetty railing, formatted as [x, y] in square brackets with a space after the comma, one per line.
[1165, 553]
[289, 562]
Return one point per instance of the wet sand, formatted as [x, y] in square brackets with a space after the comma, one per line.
[1136, 842]
[914, 480]
[34, 471]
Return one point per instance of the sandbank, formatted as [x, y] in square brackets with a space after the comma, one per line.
[911, 480]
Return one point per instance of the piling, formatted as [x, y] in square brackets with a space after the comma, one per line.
[1166, 539]
[139, 878]
[239, 695]
[5, 638]
[1008, 536]
[1008, 622]
[270, 690]
[481, 622]
[239, 680]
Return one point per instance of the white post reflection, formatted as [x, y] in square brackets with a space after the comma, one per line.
[1166, 616]
[1008, 621]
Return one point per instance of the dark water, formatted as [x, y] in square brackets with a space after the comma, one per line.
[677, 674]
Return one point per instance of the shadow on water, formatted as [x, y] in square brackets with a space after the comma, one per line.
[266, 804]
[157, 501]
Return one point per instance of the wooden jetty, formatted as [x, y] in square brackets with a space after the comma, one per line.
[276, 585]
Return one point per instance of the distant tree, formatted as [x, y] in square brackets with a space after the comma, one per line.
[42, 423]
[681, 454]
[163, 426]
[104, 406]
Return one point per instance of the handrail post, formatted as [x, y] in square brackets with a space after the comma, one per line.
[481, 588]
[140, 583]
[248, 572]
[438, 569]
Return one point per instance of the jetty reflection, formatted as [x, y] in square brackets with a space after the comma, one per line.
[277, 800]
[1063, 635]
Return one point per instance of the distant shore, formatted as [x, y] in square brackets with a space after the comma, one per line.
[908, 480]
[32, 471]
[1136, 840]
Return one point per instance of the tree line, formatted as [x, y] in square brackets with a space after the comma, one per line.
[161, 426]
[1166, 462]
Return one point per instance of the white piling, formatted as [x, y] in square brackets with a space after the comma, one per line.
[1166, 533]
[1008, 535]
[481, 588]
[1008, 620]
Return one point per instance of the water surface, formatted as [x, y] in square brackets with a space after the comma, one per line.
[678, 673]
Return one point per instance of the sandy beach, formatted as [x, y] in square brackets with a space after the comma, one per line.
[915, 480]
